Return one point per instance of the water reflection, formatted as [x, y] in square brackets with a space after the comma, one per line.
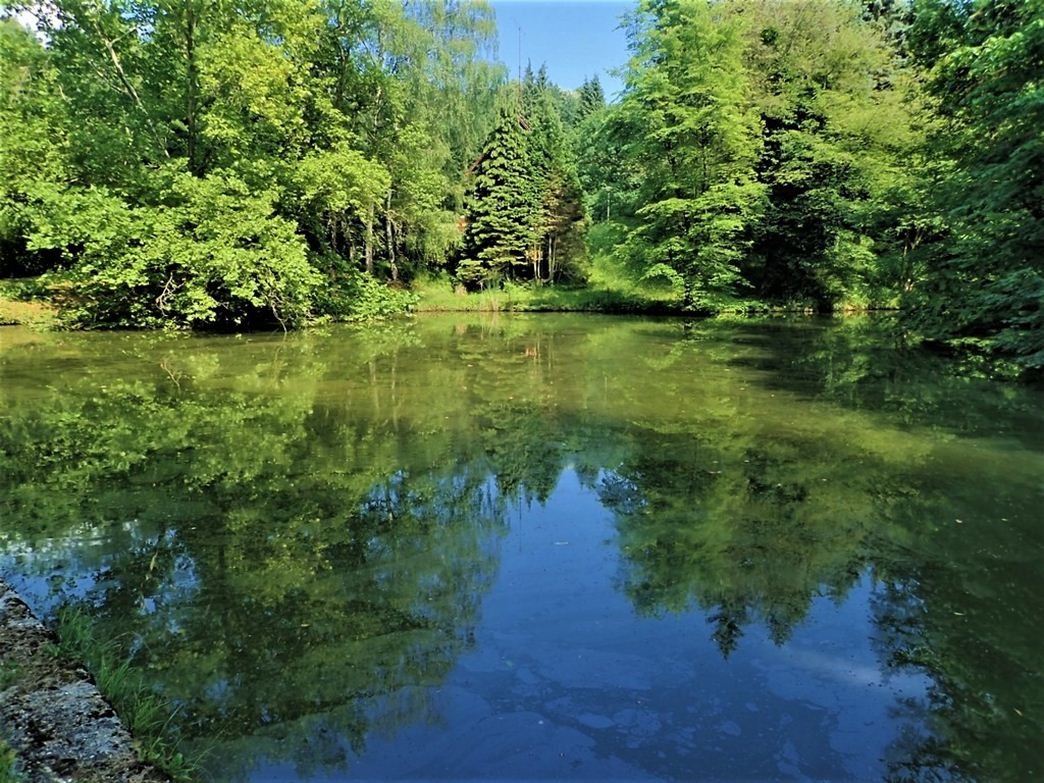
[598, 547]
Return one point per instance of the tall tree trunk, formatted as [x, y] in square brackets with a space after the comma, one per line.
[191, 90]
[389, 231]
[368, 248]
[552, 266]
[547, 257]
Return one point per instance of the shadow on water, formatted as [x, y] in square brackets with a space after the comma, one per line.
[330, 547]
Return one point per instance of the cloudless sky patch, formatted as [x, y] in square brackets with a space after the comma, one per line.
[576, 39]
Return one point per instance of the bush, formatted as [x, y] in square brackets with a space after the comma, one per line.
[352, 295]
[214, 254]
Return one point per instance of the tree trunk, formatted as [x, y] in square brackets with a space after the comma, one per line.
[550, 279]
[128, 86]
[391, 237]
[191, 89]
[368, 247]
[552, 267]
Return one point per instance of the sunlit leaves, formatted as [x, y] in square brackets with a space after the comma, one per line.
[686, 124]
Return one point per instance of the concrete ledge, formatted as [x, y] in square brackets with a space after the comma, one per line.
[53, 715]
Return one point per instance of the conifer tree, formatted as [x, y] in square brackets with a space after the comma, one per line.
[555, 188]
[525, 210]
[499, 205]
[592, 98]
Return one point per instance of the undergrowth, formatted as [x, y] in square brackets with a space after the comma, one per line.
[439, 295]
[24, 301]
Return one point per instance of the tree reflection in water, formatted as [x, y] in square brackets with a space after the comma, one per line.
[293, 537]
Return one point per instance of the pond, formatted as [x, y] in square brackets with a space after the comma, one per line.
[544, 547]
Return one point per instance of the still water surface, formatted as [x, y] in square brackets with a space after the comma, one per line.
[544, 547]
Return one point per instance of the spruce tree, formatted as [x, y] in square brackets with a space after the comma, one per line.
[554, 187]
[499, 205]
[592, 98]
[525, 207]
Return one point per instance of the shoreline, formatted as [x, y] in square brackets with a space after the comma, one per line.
[52, 714]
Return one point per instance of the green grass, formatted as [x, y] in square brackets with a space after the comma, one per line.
[147, 716]
[9, 675]
[9, 765]
[603, 294]
[596, 297]
[600, 295]
[8, 761]
[27, 302]
[436, 297]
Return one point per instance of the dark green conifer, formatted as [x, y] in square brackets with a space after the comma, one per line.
[499, 205]
[592, 98]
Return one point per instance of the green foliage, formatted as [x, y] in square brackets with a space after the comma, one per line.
[525, 212]
[33, 143]
[500, 205]
[685, 123]
[839, 132]
[596, 296]
[592, 98]
[984, 284]
[350, 295]
[9, 765]
[214, 253]
[199, 164]
[760, 149]
[337, 187]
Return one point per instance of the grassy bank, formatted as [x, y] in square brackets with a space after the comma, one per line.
[439, 295]
[144, 713]
[23, 302]
[33, 302]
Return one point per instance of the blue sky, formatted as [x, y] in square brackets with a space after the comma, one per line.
[576, 39]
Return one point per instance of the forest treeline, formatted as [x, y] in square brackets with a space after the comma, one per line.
[253, 162]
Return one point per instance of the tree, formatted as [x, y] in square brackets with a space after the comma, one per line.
[685, 121]
[525, 212]
[500, 204]
[560, 216]
[319, 128]
[984, 285]
[592, 98]
[838, 137]
[34, 148]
